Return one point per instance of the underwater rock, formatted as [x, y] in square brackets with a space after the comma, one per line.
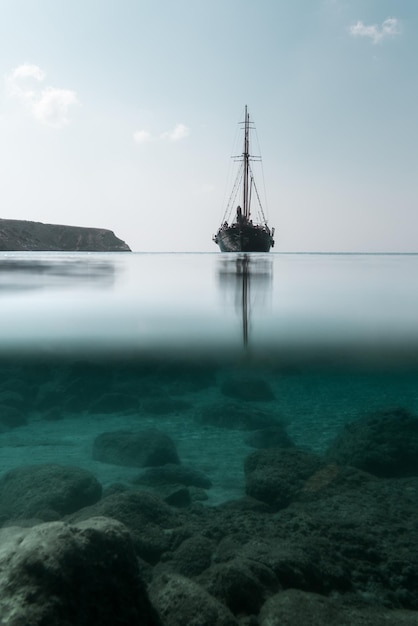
[292, 607]
[242, 585]
[173, 474]
[362, 540]
[147, 517]
[237, 416]
[11, 417]
[246, 503]
[64, 575]
[384, 443]
[248, 389]
[193, 556]
[180, 601]
[297, 560]
[113, 403]
[175, 495]
[140, 449]
[272, 437]
[40, 490]
[277, 475]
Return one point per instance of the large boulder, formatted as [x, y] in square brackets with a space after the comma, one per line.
[46, 491]
[180, 601]
[384, 443]
[193, 556]
[140, 449]
[149, 519]
[277, 475]
[56, 574]
[173, 474]
[241, 584]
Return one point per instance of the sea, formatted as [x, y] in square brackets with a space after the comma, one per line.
[92, 343]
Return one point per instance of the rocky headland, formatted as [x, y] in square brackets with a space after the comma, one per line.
[22, 235]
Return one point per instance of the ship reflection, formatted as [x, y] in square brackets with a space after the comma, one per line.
[247, 279]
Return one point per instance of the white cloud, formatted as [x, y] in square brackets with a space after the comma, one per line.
[142, 136]
[52, 106]
[389, 28]
[180, 131]
[28, 71]
[48, 105]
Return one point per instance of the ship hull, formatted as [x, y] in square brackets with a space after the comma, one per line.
[247, 238]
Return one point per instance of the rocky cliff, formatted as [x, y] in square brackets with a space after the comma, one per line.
[25, 235]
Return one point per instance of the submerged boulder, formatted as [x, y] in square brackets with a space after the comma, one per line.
[180, 601]
[277, 475]
[147, 517]
[241, 584]
[72, 575]
[170, 474]
[140, 449]
[46, 491]
[384, 443]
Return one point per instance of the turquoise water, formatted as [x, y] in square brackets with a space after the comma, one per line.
[95, 343]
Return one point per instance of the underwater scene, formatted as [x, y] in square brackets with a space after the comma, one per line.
[208, 439]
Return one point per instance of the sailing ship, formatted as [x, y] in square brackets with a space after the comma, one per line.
[244, 234]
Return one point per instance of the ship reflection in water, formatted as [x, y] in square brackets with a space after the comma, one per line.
[248, 280]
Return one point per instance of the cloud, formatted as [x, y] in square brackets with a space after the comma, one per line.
[389, 28]
[48, 105]
[142, 136]
[28, 71]
[180, 131]
[52, 106]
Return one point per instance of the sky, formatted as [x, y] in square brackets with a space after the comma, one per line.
[122, 114]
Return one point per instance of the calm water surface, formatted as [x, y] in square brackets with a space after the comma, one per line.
[209, 303]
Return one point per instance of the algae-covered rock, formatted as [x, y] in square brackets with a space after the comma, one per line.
[40, 491]
[135, 449]
[384, 443]
[72, 575]
[277, 475]
[180, 601]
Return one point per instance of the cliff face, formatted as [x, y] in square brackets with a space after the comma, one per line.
[35, 236]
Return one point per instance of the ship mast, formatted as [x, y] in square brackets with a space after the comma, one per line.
[246, 158]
